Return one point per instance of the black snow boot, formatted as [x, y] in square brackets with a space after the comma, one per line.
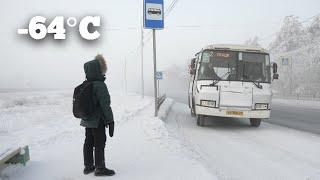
[88, 169]
[104, 172]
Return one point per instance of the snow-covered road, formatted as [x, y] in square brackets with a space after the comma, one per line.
[233, 150]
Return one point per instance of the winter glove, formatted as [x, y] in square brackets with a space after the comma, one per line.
[111, 129]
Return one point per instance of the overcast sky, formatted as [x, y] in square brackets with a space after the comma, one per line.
[50, 64]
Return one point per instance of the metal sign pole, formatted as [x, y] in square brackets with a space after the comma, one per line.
[158, 88]
[154, 73]
[142, 79]
[291, 84]
[153, 15]
[125, 75]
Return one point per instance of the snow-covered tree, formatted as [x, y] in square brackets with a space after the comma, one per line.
[253, 41]
[314, 29]
[290, 36]
[301, 45]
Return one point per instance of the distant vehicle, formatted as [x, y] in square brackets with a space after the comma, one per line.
[156, 11]
[231, 81]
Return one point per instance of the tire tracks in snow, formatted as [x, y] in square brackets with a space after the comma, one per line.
[273, 154]
[196, 152]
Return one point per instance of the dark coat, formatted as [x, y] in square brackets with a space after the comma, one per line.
[101, 97]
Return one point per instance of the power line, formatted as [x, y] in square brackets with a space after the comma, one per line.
[172, 5]
[187, 27]
[121, 29]
[169, 10]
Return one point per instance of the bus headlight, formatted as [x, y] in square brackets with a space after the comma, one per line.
[261, 106]
[208, 103]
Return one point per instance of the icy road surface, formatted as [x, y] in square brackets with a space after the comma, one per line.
[296, 114]
[233, 150]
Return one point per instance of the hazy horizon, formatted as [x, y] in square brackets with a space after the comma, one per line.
[189, 27]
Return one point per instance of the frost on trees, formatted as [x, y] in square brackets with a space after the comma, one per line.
[301, 45]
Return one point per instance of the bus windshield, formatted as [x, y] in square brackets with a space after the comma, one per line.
[234, 66]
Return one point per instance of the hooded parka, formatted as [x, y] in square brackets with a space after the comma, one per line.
[95, 71]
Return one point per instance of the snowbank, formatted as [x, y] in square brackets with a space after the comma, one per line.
[165, 108]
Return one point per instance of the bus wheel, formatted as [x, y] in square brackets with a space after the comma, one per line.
[193, 114]
[255, 122]
[200, 120]
[193, 111]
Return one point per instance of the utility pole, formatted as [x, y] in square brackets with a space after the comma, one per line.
[125, 75]
[142, 78]
[158, 81]
[154, 73]
[291, 76]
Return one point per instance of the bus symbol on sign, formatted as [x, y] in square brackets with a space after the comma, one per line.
[155, 11]
[153, 14]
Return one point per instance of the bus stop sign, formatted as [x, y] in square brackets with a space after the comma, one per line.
[159, 75]
[153, 14]
[285, 61]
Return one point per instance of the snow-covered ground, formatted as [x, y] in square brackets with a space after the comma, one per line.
[141, 148]
[145, 147]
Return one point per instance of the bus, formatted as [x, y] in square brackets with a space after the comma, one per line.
[155, 11]
[231, 81]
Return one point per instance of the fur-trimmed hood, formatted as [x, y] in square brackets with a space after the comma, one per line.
[95, 70]
[103, 64]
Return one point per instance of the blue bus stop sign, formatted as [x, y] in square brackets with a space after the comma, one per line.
[153, 14]
[285, 61]
[159, 75]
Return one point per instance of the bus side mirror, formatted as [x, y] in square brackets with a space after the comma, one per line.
[275, 68]
[275, 76]
[275, 71]
[192, 66]
[191, 71]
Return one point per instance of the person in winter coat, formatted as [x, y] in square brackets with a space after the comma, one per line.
[95, 126]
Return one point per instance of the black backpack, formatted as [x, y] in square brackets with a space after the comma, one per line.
[83, 105]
